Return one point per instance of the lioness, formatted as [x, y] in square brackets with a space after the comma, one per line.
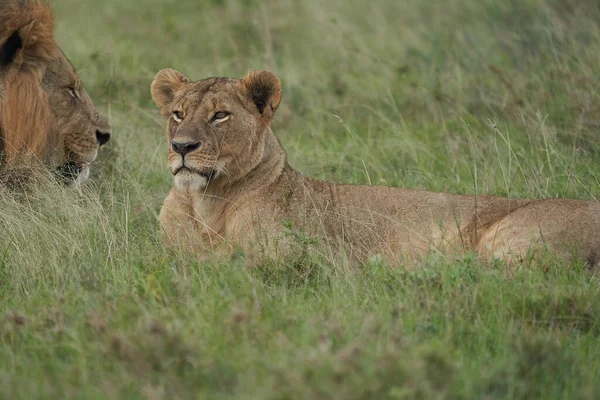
[46, 116]
[233, 186]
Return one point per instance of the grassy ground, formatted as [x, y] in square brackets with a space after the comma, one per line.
[466, 96]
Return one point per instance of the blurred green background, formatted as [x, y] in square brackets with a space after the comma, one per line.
[415, 93]
[466, 96]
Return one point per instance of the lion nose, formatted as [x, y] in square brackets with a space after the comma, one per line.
[102, 137]
[184, 148]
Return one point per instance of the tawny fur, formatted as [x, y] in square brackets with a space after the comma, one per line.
[40, 119]
[255, 196]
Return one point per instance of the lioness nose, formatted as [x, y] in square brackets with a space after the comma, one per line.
[184, 148]
[102, 137]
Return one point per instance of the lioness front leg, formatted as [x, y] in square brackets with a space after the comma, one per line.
[204, 245]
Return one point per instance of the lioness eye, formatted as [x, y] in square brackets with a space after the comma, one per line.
[73, 93]
[177, 116]
[220, 115]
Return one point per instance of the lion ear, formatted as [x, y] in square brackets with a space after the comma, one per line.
[9, 49]
[263, 88]
[166, 84]
[27, 36]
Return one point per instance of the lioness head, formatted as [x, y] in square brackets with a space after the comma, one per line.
[45, 113]
[216, 126]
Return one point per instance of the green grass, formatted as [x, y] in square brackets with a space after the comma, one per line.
[466, 96]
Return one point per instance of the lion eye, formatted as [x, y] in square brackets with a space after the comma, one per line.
[220, 116]
[178, 116]
[73, 93]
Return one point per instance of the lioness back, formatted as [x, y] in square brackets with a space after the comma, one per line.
[46, 116]
[234, 187]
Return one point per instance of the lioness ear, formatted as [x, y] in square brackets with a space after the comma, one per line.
[263, 88]
[26, 35]
[166, 84]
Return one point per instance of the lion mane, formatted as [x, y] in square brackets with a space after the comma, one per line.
[26, 29]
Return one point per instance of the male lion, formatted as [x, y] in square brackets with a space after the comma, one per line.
[46, 116]
[234, 187]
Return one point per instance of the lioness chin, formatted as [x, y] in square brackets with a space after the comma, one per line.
[234, 187]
